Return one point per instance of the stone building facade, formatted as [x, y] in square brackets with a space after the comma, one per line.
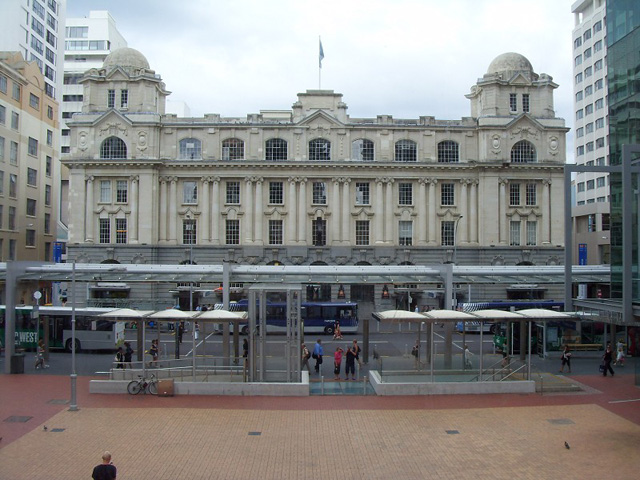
[312, 185]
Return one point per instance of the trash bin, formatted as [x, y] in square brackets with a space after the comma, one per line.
[165, 388]
[17, 363]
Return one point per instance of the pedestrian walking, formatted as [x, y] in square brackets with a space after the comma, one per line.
[620, 355]
[245, 349]
[415, 352]
[154, 351]
[357, 350]
[606, 361]
[40, 355]
[106, 470]
[306, 355]
[337, 362]
[180, 331]
[119, 358]
[565, 358]
[467, 357]
[337, 334]
[317, 354]
[350, 365]
[128, 354]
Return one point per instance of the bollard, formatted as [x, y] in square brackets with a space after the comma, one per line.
[322, 385]
[364, 385]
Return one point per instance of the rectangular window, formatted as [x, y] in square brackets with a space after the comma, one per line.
[447, 233]
[15, 120]
[319, 193]
[525, 102]
[275, 232]
[600, 182]
[189, 231]
[38, 9]
[589, 127]
[12, 218]
[589, 146]
[190, 192]
[34, 101]
[47, 195]
[1, 221]
[599, 104]
[3, 115]
[587, 35]
[587, 53]
[32, 177]
[319, 232]
[17, 91]
[577, 42]
[233, 193]
[532, 196]
[31, 207]
[111, 99]
[514, 233]
[52, 22]
[579, 132]
[105, 191]
[51, 39]
[405, 194]
[598, 84]
[50, 56]
[3, 84]
[362, 232]
[597, 26]
[579, 96]
[597, 65]
[577, 61]
[12, 249]
[588, 90]
[581, 187]
[587, 72]
[600, 162]
[121, 191]
[405, 232]
[600, 142]
[578, 78]
[1, 184]
[33, 147]
[47, 223]
[513, 102]
[276, 193]
[30, 237]
[13, 153]
[232, 232]
[447, 194]
[121, 230]
[597, 46]
[50, 138]
[1, 149]
[124, 98]
[13, 185]
[362, 193]
[579, 114]
[532, 237]
[591, 184]
[514, 194]
[104, 226]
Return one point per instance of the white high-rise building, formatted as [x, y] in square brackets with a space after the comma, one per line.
[35, 28]
[591, 208]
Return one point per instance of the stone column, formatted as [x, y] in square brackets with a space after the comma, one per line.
[346, 211]
[432, 220]
[473, 213]
[89, 224]
[173, 201]
[335, 212]
[390, 202]
[302, 212]
[133, 238]
[292, 216]
[379, 212]
[461, 234]
[544, 208]
[259, 211]
[162, 234]
[205, 211]
[215, 212]
[248, 204]
[421, 210]
[502, 211]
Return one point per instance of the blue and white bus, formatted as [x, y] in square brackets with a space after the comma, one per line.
[318, 317]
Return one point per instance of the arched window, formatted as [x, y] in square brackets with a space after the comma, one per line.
[448, 152]
[113, 147]
[190, 149]
[233, 149]
[362, 150]
[319, 149]
[523, 152]
[276, 150]
[406, 151]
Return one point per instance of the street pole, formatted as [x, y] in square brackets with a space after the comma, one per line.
[73, 406]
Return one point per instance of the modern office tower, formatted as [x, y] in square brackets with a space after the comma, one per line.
[315, 186]
[623, 58]
[35, 28]
[591, 216]
[29, 162]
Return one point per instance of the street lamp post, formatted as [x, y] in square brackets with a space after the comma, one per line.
[73, 405]
[455, 240]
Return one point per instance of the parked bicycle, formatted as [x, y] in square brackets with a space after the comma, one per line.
[145, 385]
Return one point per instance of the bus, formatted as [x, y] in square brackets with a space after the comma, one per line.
[318, 317]
[92, 331]
[514, 305]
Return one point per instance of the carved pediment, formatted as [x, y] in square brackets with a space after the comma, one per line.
[320, 120]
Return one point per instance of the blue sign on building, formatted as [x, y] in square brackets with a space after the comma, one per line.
[582, 254]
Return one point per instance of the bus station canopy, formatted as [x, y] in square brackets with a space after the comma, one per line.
[127, 313]
[492, 315]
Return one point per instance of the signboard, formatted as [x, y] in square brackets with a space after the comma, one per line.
[582, 254]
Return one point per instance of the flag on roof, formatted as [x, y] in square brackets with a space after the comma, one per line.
[320, 54]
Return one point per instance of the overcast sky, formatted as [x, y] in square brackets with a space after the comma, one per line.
[405, 58]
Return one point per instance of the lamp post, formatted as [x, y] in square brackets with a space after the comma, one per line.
[73, 405]
[455, 240]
